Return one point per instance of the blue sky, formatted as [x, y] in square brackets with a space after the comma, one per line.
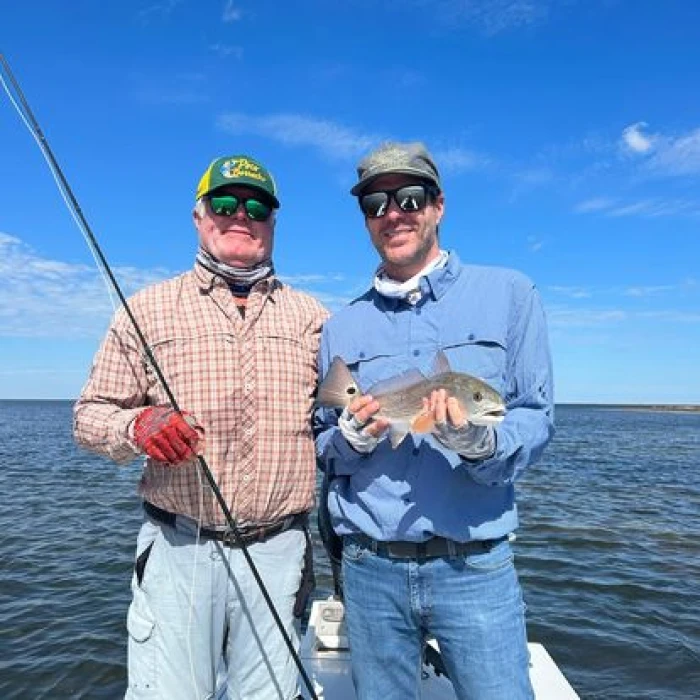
[567, 131]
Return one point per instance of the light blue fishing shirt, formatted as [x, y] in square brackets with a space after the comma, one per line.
[490, 323]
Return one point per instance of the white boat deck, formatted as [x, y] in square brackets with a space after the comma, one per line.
[326, 659]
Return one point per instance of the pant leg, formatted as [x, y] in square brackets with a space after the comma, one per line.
[176, 618]
[258, 661]
[385, 639]
[477, 614]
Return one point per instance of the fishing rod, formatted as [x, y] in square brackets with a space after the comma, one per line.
[32, 124]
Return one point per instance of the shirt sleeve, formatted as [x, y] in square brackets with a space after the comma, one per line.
[113, 396]
[529, 422]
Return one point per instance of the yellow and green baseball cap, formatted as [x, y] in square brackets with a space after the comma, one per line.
[238, 170]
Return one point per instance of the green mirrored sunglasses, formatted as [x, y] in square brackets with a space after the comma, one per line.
[227, 205]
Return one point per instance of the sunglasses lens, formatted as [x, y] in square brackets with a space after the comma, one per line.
[227, 205]
[224, 205]
[411, 198]
[257, 210]
[374, 204]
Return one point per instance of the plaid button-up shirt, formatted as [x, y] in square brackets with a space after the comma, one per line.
[249, 381]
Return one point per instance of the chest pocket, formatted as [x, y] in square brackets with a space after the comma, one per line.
[192, 360]
[286, 378]
[370, 365]
[481, 352]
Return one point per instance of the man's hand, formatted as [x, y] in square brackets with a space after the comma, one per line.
[453, 429]
[358, 426]
[165, 435]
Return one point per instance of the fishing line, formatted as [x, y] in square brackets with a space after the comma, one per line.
[23, 109]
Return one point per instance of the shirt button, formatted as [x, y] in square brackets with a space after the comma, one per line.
[362, 356]
[471, 336]
[416, 353]
[246, 478]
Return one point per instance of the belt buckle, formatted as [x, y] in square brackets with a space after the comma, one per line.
[228, 538]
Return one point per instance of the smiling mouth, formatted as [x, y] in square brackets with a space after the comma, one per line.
[391, 233]
[238, 231]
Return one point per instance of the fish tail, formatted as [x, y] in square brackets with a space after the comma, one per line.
[338, 387]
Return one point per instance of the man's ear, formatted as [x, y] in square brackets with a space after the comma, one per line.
[440, 206]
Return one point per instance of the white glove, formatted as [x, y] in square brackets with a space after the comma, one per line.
[470, 441]
[354, 432]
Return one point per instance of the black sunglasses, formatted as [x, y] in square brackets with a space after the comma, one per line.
[227, 205]
[409, 198]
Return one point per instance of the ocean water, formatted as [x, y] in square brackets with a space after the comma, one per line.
[608, 553]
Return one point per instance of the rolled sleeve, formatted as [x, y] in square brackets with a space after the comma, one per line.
[113, 396]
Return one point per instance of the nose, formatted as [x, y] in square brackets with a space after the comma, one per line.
[240, 212]
[393, 210]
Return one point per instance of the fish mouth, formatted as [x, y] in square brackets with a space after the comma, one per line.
[489, 418]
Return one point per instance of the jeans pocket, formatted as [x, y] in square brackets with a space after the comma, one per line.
[353, 552]
[141, 561]
[139, 620]
[499, 557]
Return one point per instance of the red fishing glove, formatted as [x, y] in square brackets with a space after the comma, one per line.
[165, 435]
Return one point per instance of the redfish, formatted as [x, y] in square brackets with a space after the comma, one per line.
[401, 397]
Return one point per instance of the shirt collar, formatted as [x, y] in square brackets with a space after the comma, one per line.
[440, 280]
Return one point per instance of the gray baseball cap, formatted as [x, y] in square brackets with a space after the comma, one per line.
[393, 157]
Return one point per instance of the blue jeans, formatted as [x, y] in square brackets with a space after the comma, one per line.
[197, 606]
[471, 604]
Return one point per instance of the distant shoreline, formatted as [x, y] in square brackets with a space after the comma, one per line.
[662, 407]
[670, 407]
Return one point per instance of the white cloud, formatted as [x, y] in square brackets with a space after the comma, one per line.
[593, 205]
[226, 50]
[648, 208]
[458, 160]
[572, 292]
[678, 156]
[40, 297]
[634, 140]
[158, 9]
[534, 244]
[671, 316]
[490, 16]
[332, 140]
[648, 291]
[666, 155]
[231, 13]
[575, 317]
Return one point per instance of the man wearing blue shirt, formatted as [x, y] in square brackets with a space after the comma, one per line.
[425, 526]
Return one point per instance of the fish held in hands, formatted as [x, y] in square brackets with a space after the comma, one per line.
[401, 397]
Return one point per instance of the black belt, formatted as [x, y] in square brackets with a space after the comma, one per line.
[430, 549]
[249, 535]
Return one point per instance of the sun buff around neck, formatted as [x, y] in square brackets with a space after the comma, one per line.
[410, 289]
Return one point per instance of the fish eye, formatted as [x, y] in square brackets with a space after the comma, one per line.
[351, 390]
[477, 396]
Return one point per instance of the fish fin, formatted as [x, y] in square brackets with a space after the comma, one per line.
[338, 387]
[409, 378]
[441, 365]
[397, 433]
[422, 423]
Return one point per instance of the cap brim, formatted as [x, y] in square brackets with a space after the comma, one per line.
[266, 195]
[364, 183]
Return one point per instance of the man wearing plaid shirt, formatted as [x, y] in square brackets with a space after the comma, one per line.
[238, 349]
